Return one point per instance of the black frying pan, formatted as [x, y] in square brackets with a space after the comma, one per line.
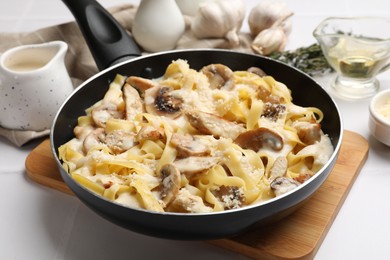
[112, 43]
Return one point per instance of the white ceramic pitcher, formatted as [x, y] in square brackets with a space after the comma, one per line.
[158, 25]
[34, 83]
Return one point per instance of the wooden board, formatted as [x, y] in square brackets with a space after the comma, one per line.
[297, 236]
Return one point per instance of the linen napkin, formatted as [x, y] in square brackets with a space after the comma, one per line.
[79, 61]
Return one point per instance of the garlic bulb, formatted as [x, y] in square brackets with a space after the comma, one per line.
[268, 12]
[219, 19]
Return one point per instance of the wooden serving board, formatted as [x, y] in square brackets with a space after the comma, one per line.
[297, 236]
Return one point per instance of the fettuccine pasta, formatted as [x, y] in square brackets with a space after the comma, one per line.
[196, 141]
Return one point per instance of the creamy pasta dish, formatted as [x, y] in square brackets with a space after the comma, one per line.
[196, 141]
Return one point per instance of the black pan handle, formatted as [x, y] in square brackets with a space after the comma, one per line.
[107, 40]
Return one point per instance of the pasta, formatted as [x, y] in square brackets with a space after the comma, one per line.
[196, 141]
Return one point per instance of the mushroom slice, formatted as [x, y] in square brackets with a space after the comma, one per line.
[189, 145]
[102, 113]
[256, 70]
[189, 203]
[214, 125]
[94, 138]
[160, 101]
[282, 185]
[140, 84]
[273, 111]
[195, 164]
[219, 75]
[133, 102]
[120, 141]
[309, 133]
[231, 197]
[170, 183]
[260, 138]
[279, 168]
[150, 133]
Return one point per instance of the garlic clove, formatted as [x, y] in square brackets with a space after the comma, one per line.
[219, 19]
[265, 14]
[269, 41]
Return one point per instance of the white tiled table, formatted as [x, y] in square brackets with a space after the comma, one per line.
[40, 223]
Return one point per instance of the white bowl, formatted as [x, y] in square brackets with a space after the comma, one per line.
[379, 120]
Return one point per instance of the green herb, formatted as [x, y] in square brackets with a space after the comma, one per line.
[310, 60]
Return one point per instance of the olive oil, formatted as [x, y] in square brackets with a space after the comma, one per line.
[358, 58]
[357, 66]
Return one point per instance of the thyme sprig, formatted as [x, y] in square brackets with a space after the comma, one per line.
[310, 59]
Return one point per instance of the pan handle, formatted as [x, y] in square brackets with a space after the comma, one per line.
[107, 40]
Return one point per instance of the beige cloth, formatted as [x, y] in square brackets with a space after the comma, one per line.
[79, 61]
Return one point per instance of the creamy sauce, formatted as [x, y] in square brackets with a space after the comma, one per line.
[26, 66]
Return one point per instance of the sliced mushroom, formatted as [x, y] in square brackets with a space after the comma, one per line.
[102, 113]
[308, 133]
[170, 183]
[189, 145]
[120, 141]
[273, 111]
[266, 96]
[189, 203]
[282, 185]
[160, 101]
[257, 71]
[211, 124]
[231, 197]
[133, 102]
[279, 168]
[150, 133]
[219, 75]
[260, 138]
[94, 138]
[195, 164]
[140, 84]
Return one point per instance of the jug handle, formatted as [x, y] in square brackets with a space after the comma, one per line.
[107, 40]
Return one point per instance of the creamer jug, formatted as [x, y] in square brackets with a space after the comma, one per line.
[34, 82]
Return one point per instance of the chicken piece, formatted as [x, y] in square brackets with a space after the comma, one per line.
[210, 124]
[102, 113]
[260, 138]
[150, 133]
[120, 141]
[189, 203]
[194, 164]
[140, 84]
[81, 132]
[282, 185]
[170, 183]
[219, 75]
[94, 138]
[190, 145]
[301, 178]
[133, 102]
[279, 168]
[231, 197]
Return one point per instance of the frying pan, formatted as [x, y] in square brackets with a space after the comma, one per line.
[109, 44]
